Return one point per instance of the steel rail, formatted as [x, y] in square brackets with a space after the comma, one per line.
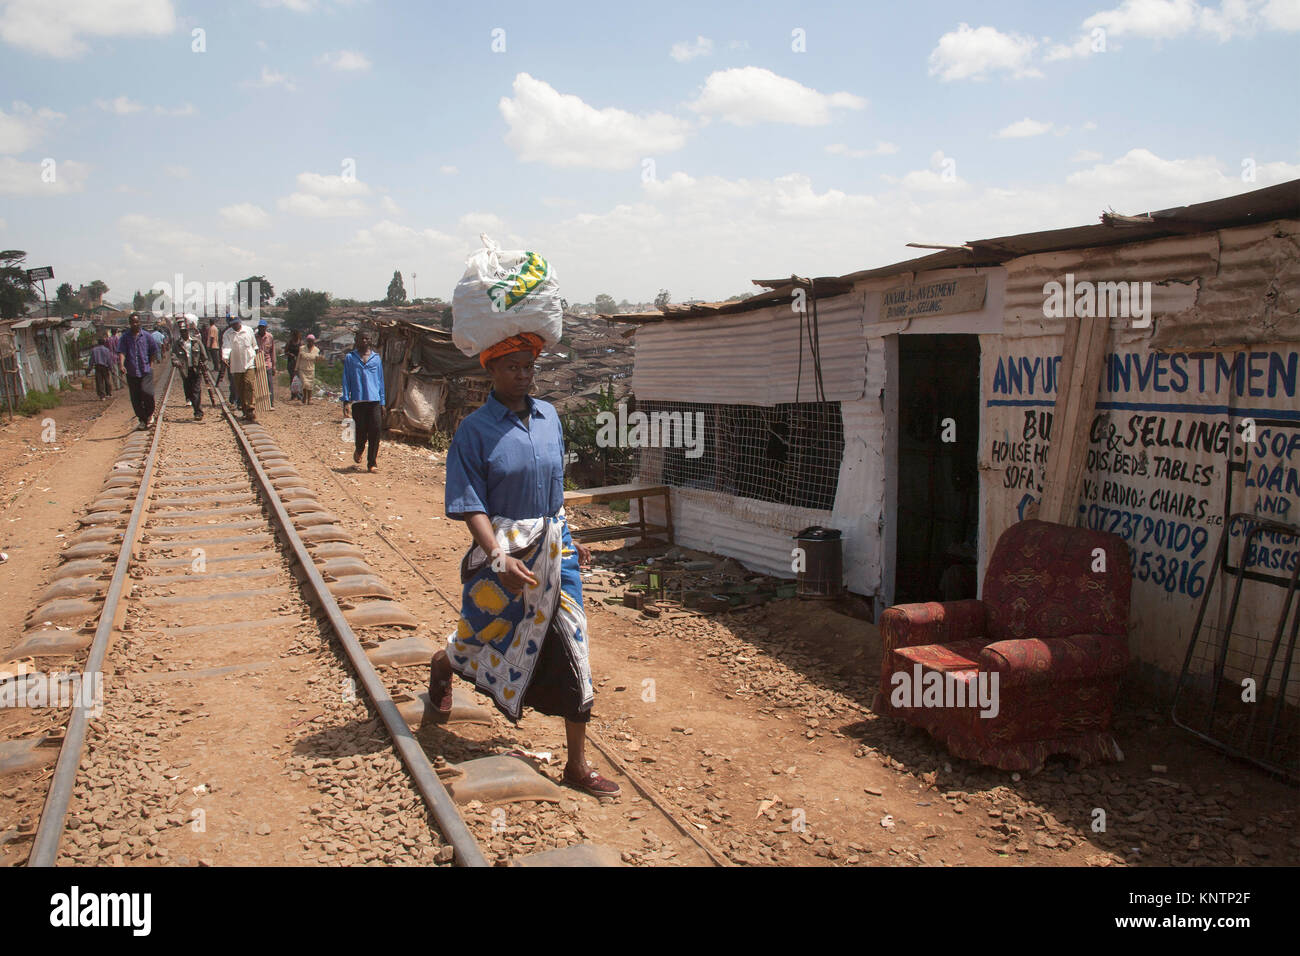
[49, 832]
[439, 802]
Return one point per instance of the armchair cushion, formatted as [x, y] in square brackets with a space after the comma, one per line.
[1080, 657]
[957, 656]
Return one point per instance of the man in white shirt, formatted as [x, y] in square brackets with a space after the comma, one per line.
[239, 351]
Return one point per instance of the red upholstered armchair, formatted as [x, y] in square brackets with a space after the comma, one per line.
[1041, 655]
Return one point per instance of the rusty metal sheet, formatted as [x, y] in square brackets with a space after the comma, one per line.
[64, 610]
[78, 568]
[90, 549]
[100, 518]
[325, 532]
[501, 779]
[31, 753]
[50, 642]
[577, 855]
[342, 567]
[312, 518]
[467, 707]
[380, 614]
[69, 587]
[360, 585]
[402, 651]
[98, 534]
[335, 549]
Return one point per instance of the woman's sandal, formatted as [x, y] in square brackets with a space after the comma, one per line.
[440, 687]
[593, 783]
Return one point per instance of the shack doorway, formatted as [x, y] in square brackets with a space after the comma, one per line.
[937, 522]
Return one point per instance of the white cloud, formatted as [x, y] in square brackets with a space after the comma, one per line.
[245, 215]
[880, 149]
[28, 179]
[326, 197]
[24, 127]
[186, 110]
[162, 248]
[1154, 19]
[1140, 181]
[297, 6]
[1281, 14]
[177, 172]
[1021, 129]
[476, 222]
[1085, 156]
[559, 129]
[940, 177]
[387, 205]
[973, 54]
[345, 60]
[448, 170]
[690, 49]
[269, 78]
[121, 105]
[61, 29]
[751, 94]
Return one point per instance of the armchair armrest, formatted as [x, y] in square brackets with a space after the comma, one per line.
[1079, 657]
[907, 625]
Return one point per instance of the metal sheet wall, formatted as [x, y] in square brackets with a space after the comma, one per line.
[752, 358]
[1168, 460]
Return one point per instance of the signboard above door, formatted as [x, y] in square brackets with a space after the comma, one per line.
[939, 297]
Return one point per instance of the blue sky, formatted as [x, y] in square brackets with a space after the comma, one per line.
[638, 147]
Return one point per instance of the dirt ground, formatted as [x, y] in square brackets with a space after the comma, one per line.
[753, 726]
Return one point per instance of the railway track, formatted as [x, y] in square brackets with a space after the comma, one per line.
[227, 710]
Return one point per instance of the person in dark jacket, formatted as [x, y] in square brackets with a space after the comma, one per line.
[363, 387]
[189, 357]
[101, 363]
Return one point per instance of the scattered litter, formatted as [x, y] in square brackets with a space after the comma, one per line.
[887, 821]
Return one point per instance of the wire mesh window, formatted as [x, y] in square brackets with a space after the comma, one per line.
[789, 454]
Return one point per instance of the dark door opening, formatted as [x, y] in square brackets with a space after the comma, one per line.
[938, 467]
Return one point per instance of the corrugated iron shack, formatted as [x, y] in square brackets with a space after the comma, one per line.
[429, 383]
[911, 406]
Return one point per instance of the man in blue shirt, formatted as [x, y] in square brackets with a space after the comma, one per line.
[101, 362]
[363, 387]
[505, 480]
[137, 350]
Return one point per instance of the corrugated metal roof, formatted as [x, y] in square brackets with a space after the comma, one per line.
[1257, 206]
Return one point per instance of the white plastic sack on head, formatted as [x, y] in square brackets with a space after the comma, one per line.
[503, 294]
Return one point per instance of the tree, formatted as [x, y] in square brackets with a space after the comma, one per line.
[605, 304]
[265, 291]
[15, 291]
[65, 299]
[663, 298]
[95, 292]
[396, 291]
[304, 309]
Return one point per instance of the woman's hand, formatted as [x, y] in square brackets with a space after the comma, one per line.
[584, 554]
[516, 575]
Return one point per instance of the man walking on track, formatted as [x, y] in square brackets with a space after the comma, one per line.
[363, 386]
[137, 350]
[212, 342]
[101, 360]
[522, 635]
[189, 357]
[240, 352]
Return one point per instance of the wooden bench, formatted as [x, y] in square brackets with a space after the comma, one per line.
[634, 491]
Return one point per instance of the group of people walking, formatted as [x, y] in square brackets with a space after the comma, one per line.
[129, 357]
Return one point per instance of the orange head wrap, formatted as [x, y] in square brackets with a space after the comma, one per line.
[523, 342]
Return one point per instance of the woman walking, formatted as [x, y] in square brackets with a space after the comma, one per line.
[291, 351]
[522, 635]
[307, 368]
